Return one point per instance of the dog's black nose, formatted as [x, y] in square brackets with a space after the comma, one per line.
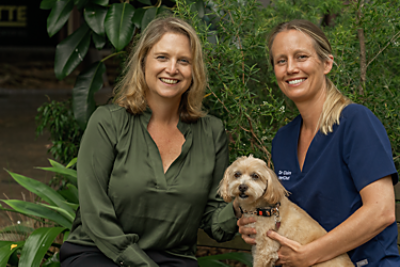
[243, 188]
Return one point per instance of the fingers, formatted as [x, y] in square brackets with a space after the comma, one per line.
[247, 231]
[277, 237]
[243, 221]
[249, 240]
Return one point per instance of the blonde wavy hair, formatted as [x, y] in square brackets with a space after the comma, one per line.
[130, 92]
[335, 101]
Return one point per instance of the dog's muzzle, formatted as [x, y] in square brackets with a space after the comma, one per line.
[243, 188]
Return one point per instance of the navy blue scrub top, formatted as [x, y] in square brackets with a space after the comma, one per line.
[337, 166]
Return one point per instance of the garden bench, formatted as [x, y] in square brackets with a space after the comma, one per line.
[238, 244]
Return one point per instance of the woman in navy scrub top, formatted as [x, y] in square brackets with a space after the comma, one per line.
[335, 159]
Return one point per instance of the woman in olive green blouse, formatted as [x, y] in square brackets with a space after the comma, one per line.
[149, 165]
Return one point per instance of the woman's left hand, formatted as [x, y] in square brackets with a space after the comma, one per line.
[291, 253]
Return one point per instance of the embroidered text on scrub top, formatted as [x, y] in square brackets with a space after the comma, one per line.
[284, 175]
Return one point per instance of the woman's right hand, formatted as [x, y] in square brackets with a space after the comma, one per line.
[247, 231]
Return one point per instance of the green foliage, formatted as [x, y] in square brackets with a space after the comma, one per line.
[55, 212]
[215, 260]
[58, 119]
[242, 86]
[114, 24]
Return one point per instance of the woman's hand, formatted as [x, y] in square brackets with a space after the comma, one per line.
[291, 253]
[247, 231]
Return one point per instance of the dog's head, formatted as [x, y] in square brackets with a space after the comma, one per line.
[250, 179]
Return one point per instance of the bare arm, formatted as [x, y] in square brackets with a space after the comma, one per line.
[378, 210]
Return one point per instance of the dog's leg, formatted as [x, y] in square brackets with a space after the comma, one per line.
[265, 253]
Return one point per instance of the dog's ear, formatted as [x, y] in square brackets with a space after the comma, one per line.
[275, 190]
[223, 187]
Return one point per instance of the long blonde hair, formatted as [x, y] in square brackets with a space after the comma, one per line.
[130, 92]
[335, 101]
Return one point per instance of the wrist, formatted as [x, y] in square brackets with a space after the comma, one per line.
[310, 254]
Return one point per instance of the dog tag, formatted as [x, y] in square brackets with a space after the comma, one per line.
[277, 225]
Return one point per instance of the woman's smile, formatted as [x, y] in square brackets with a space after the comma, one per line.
[299, 71]
[168, 68]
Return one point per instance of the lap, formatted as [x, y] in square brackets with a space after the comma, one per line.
[74, 255]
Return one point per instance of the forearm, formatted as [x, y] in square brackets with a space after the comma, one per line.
[377, 212]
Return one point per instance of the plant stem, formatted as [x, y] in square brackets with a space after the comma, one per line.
[112, 55]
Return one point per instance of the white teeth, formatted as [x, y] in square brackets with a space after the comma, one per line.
[169, 81]
[296, 81]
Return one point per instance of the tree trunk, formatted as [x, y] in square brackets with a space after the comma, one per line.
[363, 56]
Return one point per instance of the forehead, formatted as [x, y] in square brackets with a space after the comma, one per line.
[291, 41]
[248, 165]
[172, 41]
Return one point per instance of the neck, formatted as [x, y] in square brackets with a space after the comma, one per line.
[164, 112]
[311, 111]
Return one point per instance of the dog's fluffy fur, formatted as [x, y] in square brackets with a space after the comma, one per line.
[256, 186]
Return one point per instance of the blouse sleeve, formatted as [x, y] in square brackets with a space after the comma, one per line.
[367, 149]
[95, 162]
[219, 220]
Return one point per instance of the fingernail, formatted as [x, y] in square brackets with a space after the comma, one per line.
[269, 232]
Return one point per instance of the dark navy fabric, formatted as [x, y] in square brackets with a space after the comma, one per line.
[337, 166]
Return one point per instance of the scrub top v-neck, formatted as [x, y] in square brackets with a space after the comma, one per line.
[128, 203]
[337, 166]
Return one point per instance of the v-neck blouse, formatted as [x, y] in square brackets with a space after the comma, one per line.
[336, 168]
[128, 204]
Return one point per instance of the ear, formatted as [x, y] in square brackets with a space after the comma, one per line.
[223, 187]
[328, 64]
[275, 190]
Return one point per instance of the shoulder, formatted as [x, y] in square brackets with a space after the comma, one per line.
[359, 116]
[109, 116]
[211, 122]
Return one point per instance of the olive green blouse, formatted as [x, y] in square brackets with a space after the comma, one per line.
[128, 204]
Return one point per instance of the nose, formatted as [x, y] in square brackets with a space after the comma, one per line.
[291, 67]
[243, 188]
[172, 67]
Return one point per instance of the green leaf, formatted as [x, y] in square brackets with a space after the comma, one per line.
[138, 17]
[71, 195]
[53, 261]
[98, 40]
[66, 234]
[119, 25]
[70, 174]
[28, 208]
[7, 248]
[87, 83]
[245, 258]
[47, 4]
[94, 16]
[71, 51]
[198, 7]
[58, 16]
[212, 263]
[81, 3]
[61, 211]
[18, 229]
[37, 244]
[72, 163]
[100, 2]
[148, 16]
[45, 192]
[146, 2]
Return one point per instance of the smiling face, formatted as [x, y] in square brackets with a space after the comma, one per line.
[168, 68]
[299, 71]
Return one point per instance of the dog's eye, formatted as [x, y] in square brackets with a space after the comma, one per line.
[255, 176]
[237, 174]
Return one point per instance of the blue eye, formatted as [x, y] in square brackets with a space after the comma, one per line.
[161, 57]
[282, 61]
